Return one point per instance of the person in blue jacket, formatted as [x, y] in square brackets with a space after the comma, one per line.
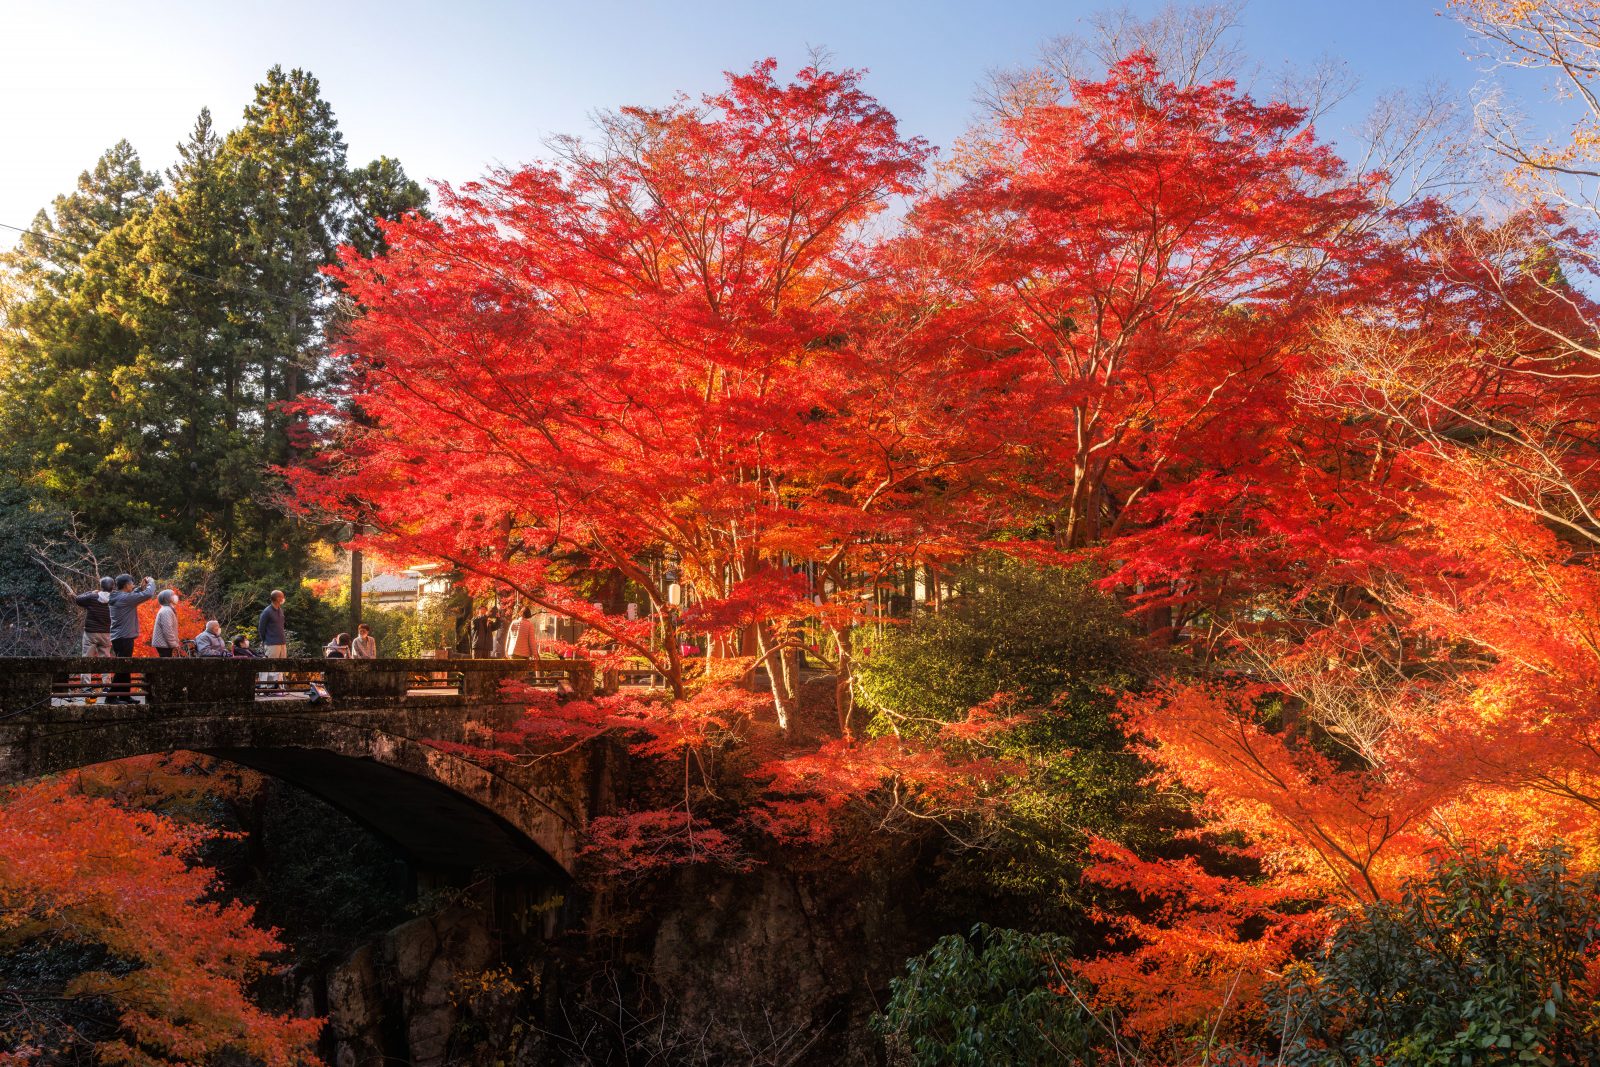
[272, 631]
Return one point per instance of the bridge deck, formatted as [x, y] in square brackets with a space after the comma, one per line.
[32, 685]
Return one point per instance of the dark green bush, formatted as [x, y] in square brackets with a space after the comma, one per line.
[996, 999]
[1050, 639]
[1484, 962]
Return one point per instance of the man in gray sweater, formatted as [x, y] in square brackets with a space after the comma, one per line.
[124, 604]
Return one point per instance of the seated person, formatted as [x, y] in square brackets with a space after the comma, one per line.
[208, 642]
[338, 648]
[242, 649]
[365, 646]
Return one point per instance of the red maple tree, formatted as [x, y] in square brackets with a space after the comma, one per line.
[645, 362]
[82, 870]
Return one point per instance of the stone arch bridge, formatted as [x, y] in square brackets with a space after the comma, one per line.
[377, 745]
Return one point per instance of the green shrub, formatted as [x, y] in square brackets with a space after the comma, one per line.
[1484, 962]
[997, 999]
[1040, 633]
[1052, 640]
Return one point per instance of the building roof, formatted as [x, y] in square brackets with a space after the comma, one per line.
[390, 583]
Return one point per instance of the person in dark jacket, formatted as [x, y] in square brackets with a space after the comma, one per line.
[124, 607]
[96, 605]
[272, 632]
[482, 635]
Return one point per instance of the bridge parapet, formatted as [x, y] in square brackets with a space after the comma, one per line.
[34, 684]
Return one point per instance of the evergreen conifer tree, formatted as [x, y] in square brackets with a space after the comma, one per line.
[150, 337]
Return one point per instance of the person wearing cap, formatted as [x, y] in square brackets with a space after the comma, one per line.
[164, 637]
[124, 605]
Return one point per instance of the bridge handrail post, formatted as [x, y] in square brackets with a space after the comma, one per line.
[481, 684]
[23, 687]
[359, 679]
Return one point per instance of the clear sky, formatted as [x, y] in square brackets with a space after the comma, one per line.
[451, 87]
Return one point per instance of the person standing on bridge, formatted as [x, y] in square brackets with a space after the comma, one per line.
[521, 641]
[482, 635]
[164, 637]
[124, 607]
[272, 631]
[96, 605]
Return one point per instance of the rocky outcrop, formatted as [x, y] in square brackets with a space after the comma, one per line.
[778, 966]
[395, 1000]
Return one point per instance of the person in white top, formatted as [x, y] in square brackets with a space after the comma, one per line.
[164, 634]
[365, 646]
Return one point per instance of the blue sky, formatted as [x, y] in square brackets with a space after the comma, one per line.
[449, 88]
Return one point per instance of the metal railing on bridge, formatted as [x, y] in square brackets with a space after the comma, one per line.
[27, 683]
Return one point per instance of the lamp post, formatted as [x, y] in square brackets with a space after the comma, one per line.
[355, 583]
[670, 576]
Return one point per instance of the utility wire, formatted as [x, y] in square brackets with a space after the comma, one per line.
[218, 282]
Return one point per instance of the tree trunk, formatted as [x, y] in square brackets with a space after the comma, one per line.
[780, 702]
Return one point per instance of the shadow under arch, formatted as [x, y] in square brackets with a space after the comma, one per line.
[442, 811]
[434, 826]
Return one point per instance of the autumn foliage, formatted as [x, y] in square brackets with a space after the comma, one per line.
[178, 965]
[191, 620]
[751, 365]
[1337, 453]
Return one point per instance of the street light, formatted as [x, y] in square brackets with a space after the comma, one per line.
[670, 575]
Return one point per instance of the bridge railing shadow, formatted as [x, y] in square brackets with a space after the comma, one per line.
[36, 683]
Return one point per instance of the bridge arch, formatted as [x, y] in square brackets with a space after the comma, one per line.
[387, 764]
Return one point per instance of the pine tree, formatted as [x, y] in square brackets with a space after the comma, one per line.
[379, 190]
[181, 291]
[289, 162]
[63, 351]
[151, 336]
